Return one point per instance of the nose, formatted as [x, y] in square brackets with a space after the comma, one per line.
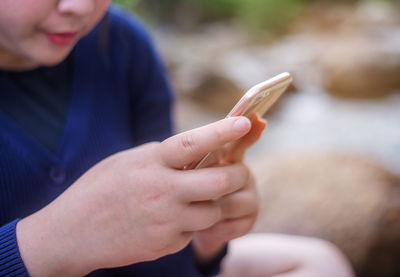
[76, 7]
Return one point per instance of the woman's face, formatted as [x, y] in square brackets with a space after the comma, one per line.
[43, 32]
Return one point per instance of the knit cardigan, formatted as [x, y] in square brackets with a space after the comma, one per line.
[120, 98]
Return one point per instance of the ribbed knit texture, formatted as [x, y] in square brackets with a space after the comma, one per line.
[120, 98]
[10, 260]
[42, 96]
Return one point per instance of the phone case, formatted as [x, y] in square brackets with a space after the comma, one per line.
[258, 99]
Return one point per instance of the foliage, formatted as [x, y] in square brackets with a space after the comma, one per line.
[256, 14]
[253, 14]
[128, 4]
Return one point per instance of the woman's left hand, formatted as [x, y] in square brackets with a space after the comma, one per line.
[239, 209]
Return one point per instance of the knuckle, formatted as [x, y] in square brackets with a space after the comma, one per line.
[219, 133]
[244, 176]
[222, 182]
[217, 213]
[210, 215]
[229, 207]
[213, 216]
[246, 172]
[153, 144]
[188, 142]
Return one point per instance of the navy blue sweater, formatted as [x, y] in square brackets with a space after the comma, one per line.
[120, 98]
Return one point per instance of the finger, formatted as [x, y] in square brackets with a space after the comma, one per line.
[228, 229]
[212, 183]
[182, 149]
[239, 204]
[200, 215]
[237, 150]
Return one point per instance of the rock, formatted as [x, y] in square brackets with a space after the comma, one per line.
[357, 48]
[217, 93]
[349, 51]
[363, 64]
[347, 200]
[216, 65]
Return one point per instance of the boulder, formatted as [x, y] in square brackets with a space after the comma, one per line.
[363, 64]
[356, 47]
[347, 200]
[217, 64]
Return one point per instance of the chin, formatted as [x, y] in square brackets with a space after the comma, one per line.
[52, 60]
[50, 63]
[49, 56]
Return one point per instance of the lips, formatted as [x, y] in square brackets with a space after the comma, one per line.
[61, 39]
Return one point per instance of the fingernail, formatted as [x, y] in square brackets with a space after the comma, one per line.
[241, 124]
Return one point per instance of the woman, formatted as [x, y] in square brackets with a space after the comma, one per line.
[81, 93]
[80, 82]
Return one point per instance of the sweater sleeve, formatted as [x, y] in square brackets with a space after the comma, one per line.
[11, 263]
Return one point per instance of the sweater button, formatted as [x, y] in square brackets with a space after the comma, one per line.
[57, 174]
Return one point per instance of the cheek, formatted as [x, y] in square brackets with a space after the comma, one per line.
[99, 11]
[23, 16]
[24, 13]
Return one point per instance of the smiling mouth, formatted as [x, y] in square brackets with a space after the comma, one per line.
[62, 39]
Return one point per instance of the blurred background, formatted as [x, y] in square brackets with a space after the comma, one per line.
[329, 163]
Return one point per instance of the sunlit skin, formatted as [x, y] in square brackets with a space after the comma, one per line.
[25, 26]
[85, 228]
[278, 255]
[93, 224]
[239, 209]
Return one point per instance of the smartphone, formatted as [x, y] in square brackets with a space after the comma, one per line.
[257, 99]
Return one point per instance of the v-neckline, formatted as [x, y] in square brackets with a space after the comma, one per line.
[27, 142]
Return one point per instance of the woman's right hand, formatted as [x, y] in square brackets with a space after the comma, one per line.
[134, 206]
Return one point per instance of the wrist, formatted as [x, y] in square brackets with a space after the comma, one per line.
[46, 249]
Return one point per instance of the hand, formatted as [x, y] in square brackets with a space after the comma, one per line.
[239, 209]
[277, 255]
[134, 206]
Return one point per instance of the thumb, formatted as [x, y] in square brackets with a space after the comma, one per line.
[185, 148]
